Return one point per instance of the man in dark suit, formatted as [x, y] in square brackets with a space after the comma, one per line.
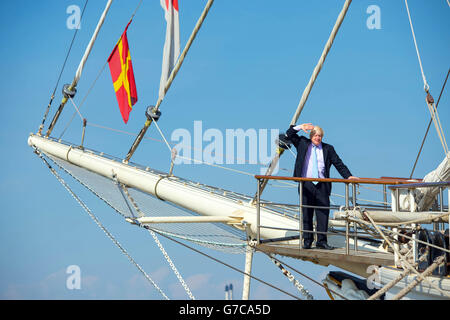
[314, 160]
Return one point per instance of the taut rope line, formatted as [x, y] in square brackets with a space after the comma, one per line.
[308, 88]
[170, 80]
[429, 99]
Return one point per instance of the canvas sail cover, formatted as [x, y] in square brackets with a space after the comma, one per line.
[425, 197]
[422, 199]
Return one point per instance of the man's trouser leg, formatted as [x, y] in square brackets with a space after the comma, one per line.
[322, 200]
[308, 213]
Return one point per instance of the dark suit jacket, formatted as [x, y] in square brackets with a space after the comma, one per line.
[330, 157]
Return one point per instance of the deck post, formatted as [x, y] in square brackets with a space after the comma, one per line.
[355, 226]
[258, 211]
[300, 213]
[397, 199]
[347, 227]
[415, 255]
[248, 271]
[397, 248]
[441, 200]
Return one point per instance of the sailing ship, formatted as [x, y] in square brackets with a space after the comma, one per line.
[389, 246]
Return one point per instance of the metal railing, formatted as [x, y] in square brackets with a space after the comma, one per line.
[412, 186]
[437, 226]
[394, 184]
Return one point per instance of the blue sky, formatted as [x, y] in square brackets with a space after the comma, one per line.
[246, 69]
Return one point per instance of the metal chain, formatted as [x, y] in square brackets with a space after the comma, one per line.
[292, 279]
[102, 227]
[158, 243]
[180, 278]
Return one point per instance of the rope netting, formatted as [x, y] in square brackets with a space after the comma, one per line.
[212, 235]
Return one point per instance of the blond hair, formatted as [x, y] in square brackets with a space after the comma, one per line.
[316, 130]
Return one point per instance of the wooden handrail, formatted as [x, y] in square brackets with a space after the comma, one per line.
[398, 178]
[359, 180]
[423, 185]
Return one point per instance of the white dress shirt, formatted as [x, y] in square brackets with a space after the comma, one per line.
[307, 165]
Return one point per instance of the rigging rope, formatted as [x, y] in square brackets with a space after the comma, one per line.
[76, 108]
[437, 123]
[308, 88]
[162, 135]
[429, 124]
[90, 45]
[83, 100]
[98, 76]
[103, 228]
[429, 99]
[319, 65]
[171, 78]
[402, 258]
[285, 184]
[61, 72]
[70, 90]
[425, 84]
[97, 221]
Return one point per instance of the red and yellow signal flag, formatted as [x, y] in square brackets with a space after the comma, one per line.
[122, 76]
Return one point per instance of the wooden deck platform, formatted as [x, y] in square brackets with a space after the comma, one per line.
[338, 255]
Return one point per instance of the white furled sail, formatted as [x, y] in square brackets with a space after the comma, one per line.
[425, 197]
[172, 44]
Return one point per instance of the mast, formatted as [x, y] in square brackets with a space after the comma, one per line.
[70, 90]
[308, 88]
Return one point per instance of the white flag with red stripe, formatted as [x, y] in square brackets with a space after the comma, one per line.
[172, 44]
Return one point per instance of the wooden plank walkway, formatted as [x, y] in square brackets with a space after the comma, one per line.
[338, 254]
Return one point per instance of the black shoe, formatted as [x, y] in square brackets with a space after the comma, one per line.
[307, 245]
[324, 246]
